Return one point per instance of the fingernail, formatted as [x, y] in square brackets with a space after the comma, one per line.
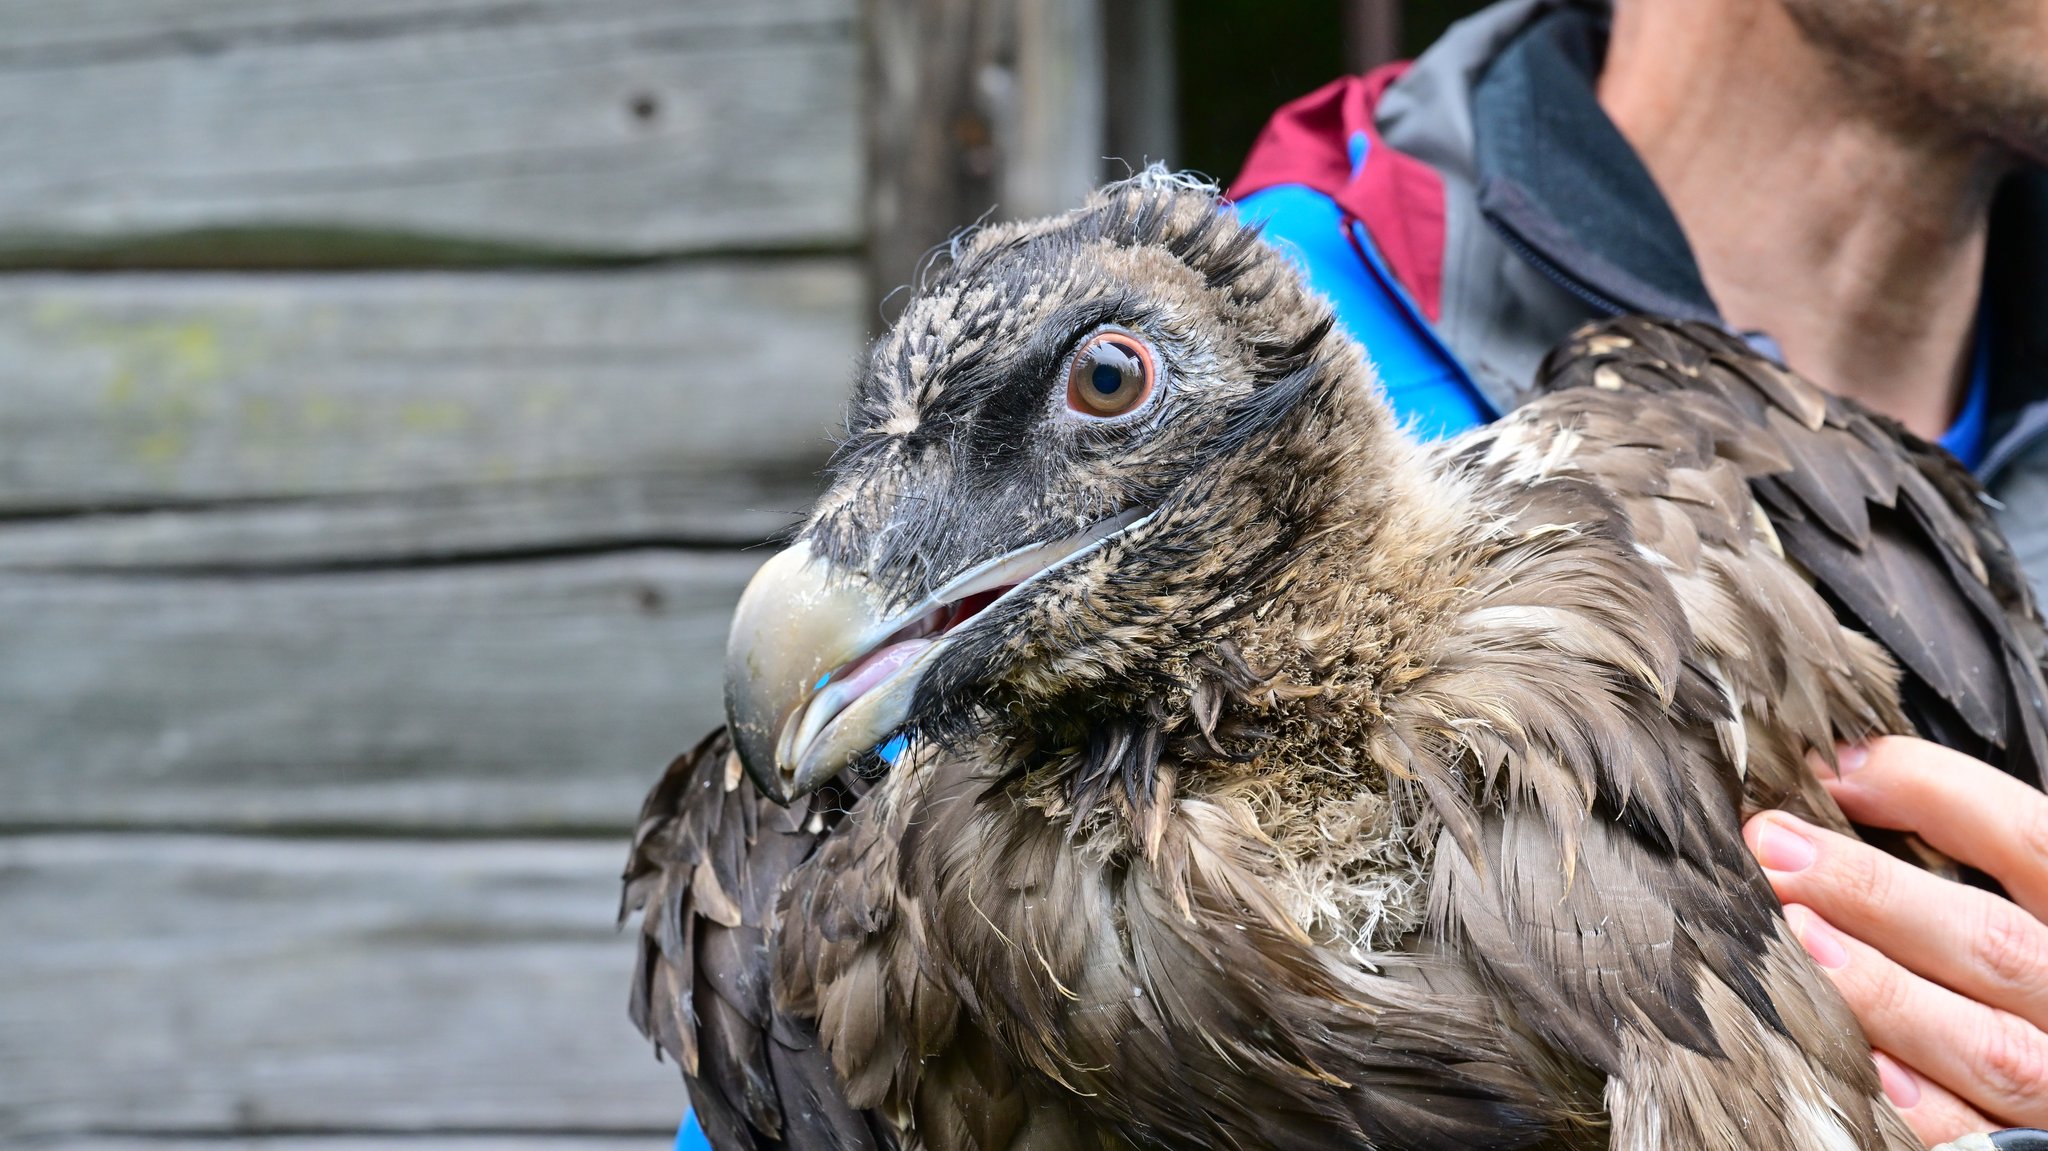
[1850, 758]
[1779, 848]
[1816, 937]
[1901, 1086]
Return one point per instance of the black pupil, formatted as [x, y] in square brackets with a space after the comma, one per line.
[1113, 369]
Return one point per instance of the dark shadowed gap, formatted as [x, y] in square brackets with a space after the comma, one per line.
[1240, 59]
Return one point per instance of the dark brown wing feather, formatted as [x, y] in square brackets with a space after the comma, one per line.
[1892, 530]
[1622, 914]
[709, 860]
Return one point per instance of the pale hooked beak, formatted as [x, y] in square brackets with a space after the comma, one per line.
[818, 673]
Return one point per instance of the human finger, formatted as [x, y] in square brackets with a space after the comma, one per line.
[1961, 806]
[1992, 1060]
[1934, 1113]
[1972, 942]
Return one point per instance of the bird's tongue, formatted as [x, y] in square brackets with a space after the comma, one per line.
[877, 666]
[843, 688]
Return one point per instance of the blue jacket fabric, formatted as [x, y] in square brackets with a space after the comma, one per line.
[1424, 382]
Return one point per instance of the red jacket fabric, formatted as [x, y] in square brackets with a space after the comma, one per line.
[1399, 200]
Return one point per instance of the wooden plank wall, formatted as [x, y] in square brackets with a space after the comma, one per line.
[394, 395]
[388, 391]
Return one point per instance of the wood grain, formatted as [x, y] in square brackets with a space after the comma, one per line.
[1140, 97]
[383, 415]
[236, 132]
[976, 109]
[207, 986]
[935, 88]
[435, 525]
[1055, 119]
[427, 1141]
[543, 695]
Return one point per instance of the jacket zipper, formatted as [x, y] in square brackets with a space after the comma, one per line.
[1555, 274]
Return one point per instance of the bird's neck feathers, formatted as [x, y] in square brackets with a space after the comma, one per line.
[1380, 537]
[1340, 546]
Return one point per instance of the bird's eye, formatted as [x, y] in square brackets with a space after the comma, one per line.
[1111, 374]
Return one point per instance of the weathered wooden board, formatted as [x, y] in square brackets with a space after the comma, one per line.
[163, 984]
[431, 1141]
[434, 525]
[466, 698]
[220, 132]
[979, 108]
[414, 414]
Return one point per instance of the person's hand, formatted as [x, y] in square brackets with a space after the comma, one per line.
[1949, 982]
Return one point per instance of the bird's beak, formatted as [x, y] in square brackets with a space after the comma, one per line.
[800, 698]
[818, 671]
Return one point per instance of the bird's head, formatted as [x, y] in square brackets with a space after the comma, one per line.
[1082, 450]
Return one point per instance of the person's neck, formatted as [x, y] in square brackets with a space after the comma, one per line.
[1854, 238]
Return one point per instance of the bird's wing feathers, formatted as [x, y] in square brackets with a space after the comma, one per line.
[709, 862]
[1743, 484]
[1680, 984]
[1892, 530]
[1643, 631]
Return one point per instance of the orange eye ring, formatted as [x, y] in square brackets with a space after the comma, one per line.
[1111, 374]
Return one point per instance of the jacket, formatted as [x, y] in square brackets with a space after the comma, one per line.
[1467, 211]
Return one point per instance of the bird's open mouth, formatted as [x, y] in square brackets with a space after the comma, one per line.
[814, 677]
[840, 688]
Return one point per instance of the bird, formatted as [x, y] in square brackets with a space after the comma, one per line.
[1145, 741]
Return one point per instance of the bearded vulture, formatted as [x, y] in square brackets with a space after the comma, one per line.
[1146, 743]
